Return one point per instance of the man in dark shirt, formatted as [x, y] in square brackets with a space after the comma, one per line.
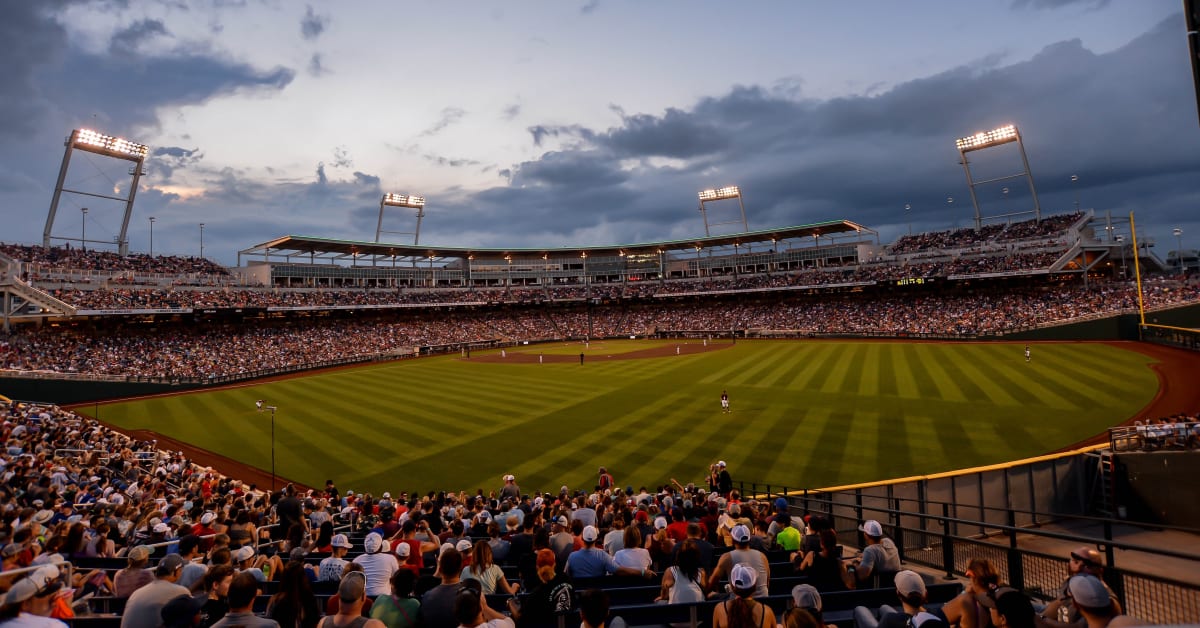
[437, 605]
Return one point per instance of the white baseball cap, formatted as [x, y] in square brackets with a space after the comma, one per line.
[871, 527]
[590, 534]
[742, 577]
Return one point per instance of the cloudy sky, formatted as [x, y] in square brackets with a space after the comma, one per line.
[565, 122]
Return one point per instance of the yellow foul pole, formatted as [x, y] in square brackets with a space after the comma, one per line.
[1137, 271]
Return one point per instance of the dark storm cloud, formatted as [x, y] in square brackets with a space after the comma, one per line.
[1104, 117]
[312, 25]
[33, 39]
[675, 134]
[127, 40]
[129, 91]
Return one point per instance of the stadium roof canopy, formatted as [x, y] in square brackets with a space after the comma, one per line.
[326, 249]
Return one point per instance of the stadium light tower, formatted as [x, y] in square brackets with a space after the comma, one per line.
[106, 146]
[201, 240]
[721, 194]
[152, 219]
[988, 139]
[401, 200]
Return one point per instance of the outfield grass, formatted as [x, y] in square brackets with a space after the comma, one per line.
[812, 414]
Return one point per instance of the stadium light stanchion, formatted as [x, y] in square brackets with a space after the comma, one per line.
[83, 230]
[987, 139]
[908, 216]
[721, 194]
[201, 240]
[98, 143]
[261, 405]
[409, 201]
[152, 219]
[1075, 189]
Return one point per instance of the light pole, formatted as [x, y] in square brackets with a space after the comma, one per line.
[908, 216]
[201, 240]
[1178, 247]
[152, 219]
[1075, 188]
[83, 232]
[260, 405]
[1121, 242]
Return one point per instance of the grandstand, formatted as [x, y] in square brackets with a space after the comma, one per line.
[295, 303]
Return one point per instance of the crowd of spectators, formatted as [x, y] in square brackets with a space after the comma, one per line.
[968, 237]
[182, 545]
[227, 349]
[68, 258]
[122, 298]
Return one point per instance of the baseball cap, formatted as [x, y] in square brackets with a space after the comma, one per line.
[1088, 591]
[642, 515]
[244, 552]
[341, 540]
[207, 518]
[562, 521]
[42, 516]
[162, 528]
[909, 582]
[720, 463]
[464, 545]
[590, 534]
[807, 597]
[445, 548]
[485, 516]
[387, 495]
[10, 550]
[927, 619]
[660, 523]
[297, 554]
[740, 534]
[871, 528]
[42, 582]
[373, 543]
[169, 564]
[139, 553]
[742, 577]
[509, 478]
[781, 503]
[403, 550]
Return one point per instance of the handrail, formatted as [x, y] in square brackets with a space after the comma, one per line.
[1007, 528]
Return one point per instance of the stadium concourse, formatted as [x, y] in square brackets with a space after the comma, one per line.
[95, 526]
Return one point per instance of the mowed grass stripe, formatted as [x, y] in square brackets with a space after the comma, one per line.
[840, 378]
[1080, 366]
[926, 386]
[662, 454]
[966, 364]
[817, 360]
[736, 359]
[799, 355]
[1022, 378]
[868, 380]
[902, 370]
[941, 379]
[983, 359]
[827, 463]
[768, 361]
[796, 443]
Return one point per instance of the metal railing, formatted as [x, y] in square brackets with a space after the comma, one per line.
[928, 533]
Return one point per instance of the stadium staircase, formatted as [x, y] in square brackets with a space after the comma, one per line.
[19, 299]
